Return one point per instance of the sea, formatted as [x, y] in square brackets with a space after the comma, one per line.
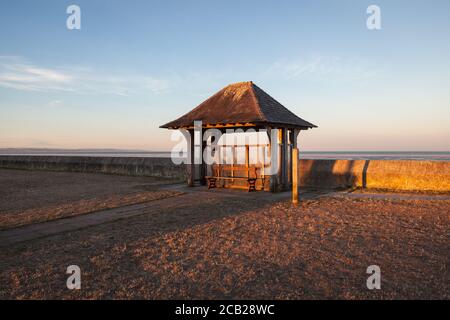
[350, 155]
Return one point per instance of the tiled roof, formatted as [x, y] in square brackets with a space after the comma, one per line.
[241, 103]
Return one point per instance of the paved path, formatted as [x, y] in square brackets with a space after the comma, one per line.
[191, 195]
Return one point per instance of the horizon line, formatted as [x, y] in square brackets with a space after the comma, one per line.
[108, 150]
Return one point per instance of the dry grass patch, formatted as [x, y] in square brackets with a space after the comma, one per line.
[210, 247]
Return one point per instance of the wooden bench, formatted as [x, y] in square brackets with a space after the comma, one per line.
[250, 175]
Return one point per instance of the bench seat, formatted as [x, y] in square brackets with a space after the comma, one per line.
[251, 181]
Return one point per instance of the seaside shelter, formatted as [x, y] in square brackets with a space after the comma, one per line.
[263, 161]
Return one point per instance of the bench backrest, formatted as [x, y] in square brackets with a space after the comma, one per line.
[230, 170]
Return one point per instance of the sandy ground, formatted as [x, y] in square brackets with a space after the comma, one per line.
[28, 197]
[239, 245]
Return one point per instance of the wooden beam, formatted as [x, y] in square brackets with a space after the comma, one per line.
[250, 145]
[220, 125]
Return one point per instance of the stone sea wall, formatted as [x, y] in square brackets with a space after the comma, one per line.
[133, 166]
[406, 175]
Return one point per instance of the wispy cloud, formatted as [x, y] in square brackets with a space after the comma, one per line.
[321, 67]
[20, 74]
[54, 103]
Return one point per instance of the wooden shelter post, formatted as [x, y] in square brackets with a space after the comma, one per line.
[294, 175]
[202, 164]
[295, 166]
[290, 154]
[285, 159]
[281, 158]
[247, 159]
[272, 160]
[275, 138]
[190, 166]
